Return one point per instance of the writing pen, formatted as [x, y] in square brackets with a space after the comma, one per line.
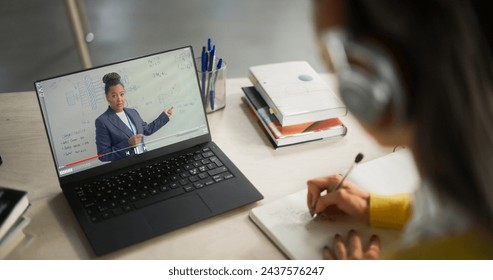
[213, 85]
[204, 70]
[209, 45]
[357, 160]
[212, 56]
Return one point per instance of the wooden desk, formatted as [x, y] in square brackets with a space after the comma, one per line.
[28, 165]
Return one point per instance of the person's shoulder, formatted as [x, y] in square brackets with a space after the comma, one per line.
[130, 110]
[103, 116]
[473, 244]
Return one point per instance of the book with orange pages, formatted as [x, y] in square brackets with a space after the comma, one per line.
[294, 134]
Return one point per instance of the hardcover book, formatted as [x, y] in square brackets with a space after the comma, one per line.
[13, 204]
[15, 240]
[295, 93]
[289, 135]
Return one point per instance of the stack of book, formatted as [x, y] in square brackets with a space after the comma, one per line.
[294, 104]
[13, 205]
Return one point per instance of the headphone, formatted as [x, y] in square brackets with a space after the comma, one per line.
[368, 79]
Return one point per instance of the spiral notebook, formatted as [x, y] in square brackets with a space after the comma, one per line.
[288, 224]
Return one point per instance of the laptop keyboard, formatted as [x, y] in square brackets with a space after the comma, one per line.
[141, 187]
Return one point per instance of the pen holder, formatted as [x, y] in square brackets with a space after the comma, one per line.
[212, 86]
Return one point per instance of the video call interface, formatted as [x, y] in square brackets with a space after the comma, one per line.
[72, 103]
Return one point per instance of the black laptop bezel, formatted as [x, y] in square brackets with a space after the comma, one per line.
[133, 160]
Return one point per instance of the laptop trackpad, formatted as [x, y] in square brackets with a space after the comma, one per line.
[176, 213]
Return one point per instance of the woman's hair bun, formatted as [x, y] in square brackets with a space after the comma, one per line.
[111, 77]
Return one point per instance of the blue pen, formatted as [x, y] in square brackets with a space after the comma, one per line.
[210, 72]
[204, 69]
[212, 57]
[209, 44]
[213, 86]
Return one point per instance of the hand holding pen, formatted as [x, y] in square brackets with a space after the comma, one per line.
[135, 140]
[333, 195]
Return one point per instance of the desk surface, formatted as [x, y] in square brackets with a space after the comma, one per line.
[28, 165]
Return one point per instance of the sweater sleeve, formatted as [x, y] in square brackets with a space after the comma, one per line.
[390, 211]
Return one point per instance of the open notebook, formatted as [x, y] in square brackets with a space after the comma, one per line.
[289, 225]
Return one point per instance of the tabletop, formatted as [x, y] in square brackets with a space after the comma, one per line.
[28, 165]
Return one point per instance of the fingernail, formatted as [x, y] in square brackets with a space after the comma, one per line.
[313, 205]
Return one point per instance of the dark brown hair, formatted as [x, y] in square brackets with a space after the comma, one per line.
[446, 52]
[111, 79]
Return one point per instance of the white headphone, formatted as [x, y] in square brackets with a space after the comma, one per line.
[367, 89]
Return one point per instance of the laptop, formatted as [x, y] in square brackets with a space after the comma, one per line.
[124, 192]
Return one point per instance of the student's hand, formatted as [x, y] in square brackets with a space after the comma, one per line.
[348, 199]
[169, 111]
[353, 249]
[135, 140]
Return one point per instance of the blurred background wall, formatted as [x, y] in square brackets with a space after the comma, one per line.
[37, 40]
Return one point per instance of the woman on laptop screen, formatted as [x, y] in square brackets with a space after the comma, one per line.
[120, 130]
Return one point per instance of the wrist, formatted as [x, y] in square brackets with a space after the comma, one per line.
[366, 209]
[389, 211]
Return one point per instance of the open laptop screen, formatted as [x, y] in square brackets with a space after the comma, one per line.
[84, 128]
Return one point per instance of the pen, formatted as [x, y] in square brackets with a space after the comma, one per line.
[210, 69]
[204, 69]
[357, 160]
[212, 57]
[213, 85]
[209, 45]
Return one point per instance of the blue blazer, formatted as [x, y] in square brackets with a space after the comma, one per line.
[112, 134]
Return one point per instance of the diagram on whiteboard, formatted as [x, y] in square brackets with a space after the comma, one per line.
[151, 85]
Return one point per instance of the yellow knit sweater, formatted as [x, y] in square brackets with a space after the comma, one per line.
[394, 211]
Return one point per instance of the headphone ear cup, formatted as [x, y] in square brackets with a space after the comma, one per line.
[364, 95]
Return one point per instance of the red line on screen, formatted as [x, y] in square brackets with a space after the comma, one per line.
[82, 160]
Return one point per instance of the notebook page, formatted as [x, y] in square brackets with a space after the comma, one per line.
[289, 225]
